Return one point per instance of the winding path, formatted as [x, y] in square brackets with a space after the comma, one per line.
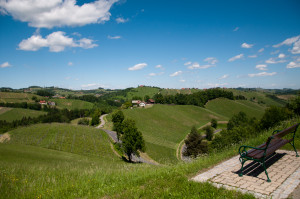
[113, 136]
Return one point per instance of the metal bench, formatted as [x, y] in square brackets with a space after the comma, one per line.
[260, 153]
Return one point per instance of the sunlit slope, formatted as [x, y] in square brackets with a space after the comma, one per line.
[64, 137]
[18, 113]
[164, 126]
[228, 107]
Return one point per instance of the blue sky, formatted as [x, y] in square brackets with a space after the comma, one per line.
[170, 44]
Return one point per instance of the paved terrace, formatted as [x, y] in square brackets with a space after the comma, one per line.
[283, 168]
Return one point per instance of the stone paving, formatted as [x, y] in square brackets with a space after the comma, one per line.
[283, 168]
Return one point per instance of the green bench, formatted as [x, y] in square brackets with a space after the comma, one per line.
[262, 152]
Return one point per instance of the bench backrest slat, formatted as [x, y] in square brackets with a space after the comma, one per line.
[284, 132]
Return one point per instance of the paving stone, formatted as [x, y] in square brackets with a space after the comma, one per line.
[284, 174]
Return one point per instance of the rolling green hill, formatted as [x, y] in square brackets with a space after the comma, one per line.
[228, 108]
[18, 113]
[179, 91]
[16, 97]
[64, 137]
[164, 126]
[72, 104]
[259, 97]
[142, 91]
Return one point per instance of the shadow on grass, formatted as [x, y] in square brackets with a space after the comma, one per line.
[254, 168]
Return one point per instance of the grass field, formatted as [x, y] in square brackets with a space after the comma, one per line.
[18, 113]
[259, 96]
[164, 126]
[28, 171]
[142, 91]
[72, 104]
[74, 122]
[228, 108]
[16, 97]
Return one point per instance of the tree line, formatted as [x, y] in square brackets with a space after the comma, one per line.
[198, 99]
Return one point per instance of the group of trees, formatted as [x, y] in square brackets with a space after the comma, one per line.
[198, 99]
[127, 132]
[33, 106]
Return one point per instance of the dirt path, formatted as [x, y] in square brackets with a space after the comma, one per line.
[102, 121]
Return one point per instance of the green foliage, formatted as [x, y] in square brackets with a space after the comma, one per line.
[95, 120]
[146, 98]
[194, 144]
[294, 105]
[83, 121]
[117, 119]
[237, 120]
[214, 123]
[44, 93]
[126, 105]
[209, 132]
[72, 104]
[132, 139]
[273, 116]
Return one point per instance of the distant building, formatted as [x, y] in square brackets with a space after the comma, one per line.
[43, 102]
[136, 101]
[142, 104]
[150, 101]
[51, 103]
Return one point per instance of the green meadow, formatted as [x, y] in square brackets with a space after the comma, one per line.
[16, 97]
[228, 108]
[18, 113]
[165, 126]
[30, 169]
[72, 104]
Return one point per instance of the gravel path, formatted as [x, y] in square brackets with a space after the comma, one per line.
[102, 121]
[134, 158]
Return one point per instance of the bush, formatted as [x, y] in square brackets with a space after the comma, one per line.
[214, 123]
[194, 145]
[83, 121]
[209, 132]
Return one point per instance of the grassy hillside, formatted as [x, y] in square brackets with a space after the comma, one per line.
[179, 91]
[34, 172]
[16, 97]
[19, 113]
[142, 91]
[228, 107]
[259, 97]
[64, 137]
[72, 104]
[164, 126]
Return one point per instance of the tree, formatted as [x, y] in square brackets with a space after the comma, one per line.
[237, 120]
[117, 119]
[273, 116]
[132, 139]
[193, 143]
[95, 120]
[209, 132]
[146, 98]
[214, 123]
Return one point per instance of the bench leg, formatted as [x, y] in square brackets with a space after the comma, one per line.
[295, 149]
[242, 161]
[266, 171]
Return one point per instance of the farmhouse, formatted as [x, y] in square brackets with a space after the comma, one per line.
[51, 103]
[43, 102]
[150, 101]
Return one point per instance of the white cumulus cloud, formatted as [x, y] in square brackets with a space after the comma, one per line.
[281, 55]
[187, 63]
[138, 66]
[293, 40]
[261, 67]
[211, 60]
[121, 20]
[240, 56]
[5, 65]
[224, 76]
[245, 45]
[113, 37]
[196, 65]
[159, 66]
[57, 13]
[274, 61]
[293, 65]
[262, 74]
[261, 50]
[70, 63]
[176, 74]
[56, 41]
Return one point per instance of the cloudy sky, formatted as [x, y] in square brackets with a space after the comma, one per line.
[171, 44]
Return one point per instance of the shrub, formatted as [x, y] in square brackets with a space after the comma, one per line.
[83, 121]
[214, 123]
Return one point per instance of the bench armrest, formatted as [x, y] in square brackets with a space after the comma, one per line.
[243, 149]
